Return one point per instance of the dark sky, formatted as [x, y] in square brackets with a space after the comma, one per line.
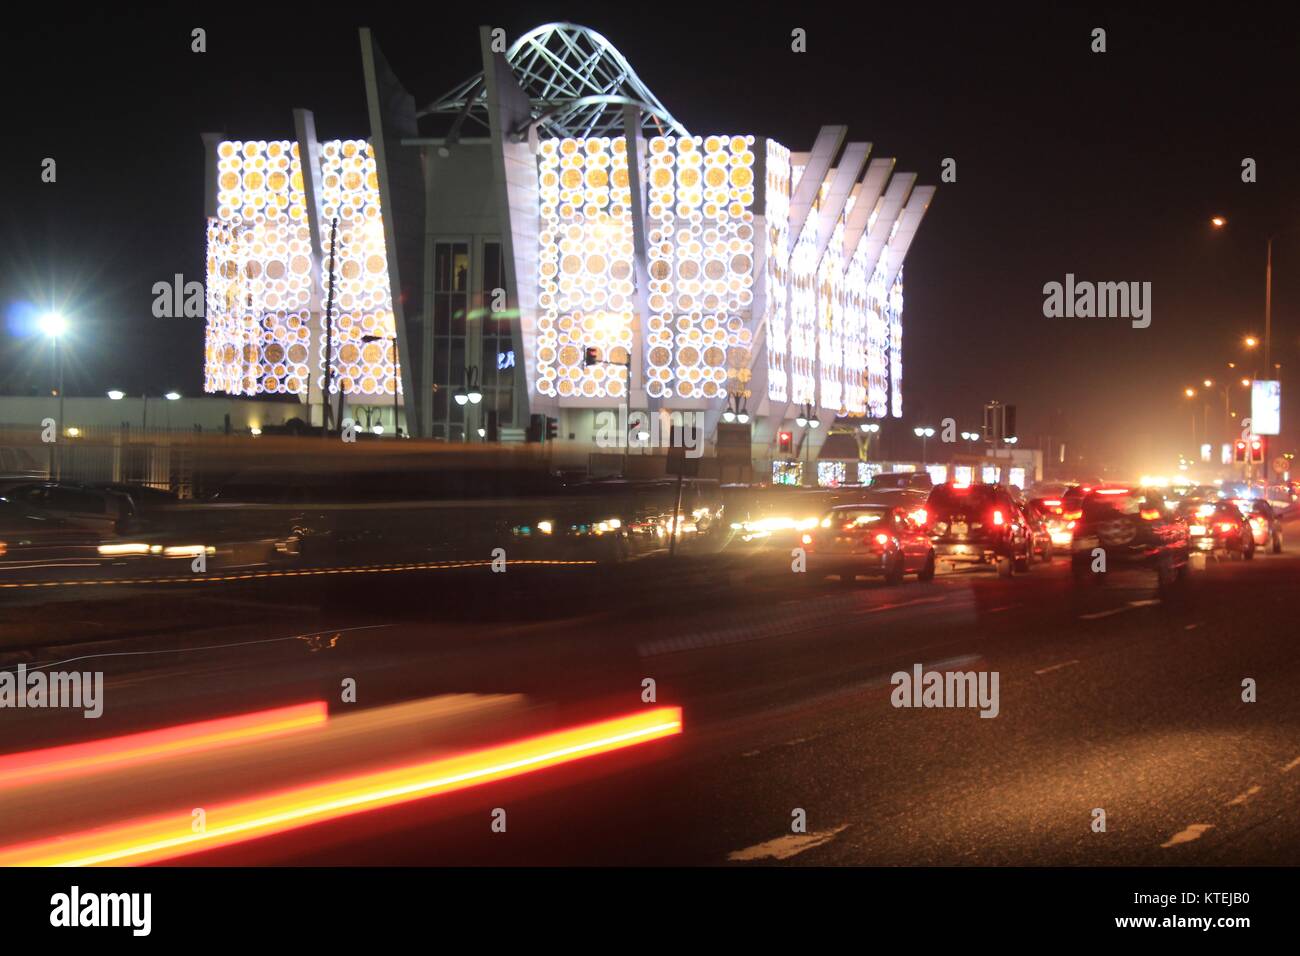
[1104, 165]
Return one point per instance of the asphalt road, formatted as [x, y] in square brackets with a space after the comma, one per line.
[1108, 699]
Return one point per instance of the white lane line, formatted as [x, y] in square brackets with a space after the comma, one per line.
[1292, 765]
[891, 607]
[782, 848]
[1188, 835]
[1054, 667]
[1130, 606]
[1241, 798]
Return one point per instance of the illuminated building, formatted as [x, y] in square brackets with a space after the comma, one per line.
[546, 207]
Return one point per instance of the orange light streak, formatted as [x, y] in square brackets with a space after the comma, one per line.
[167, 837]
[110, 753]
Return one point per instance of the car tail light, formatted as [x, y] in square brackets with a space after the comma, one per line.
[1052, 502]
[1149, 514]
[997, 518]
[1072, 516]
[882, 539]
[921, 517]
[1227, 526]
[3, 548]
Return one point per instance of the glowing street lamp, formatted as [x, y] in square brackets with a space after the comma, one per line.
[116, 394]
[1189, 392]
[1218, 222]
[1250, 341]
[53, 326]
[172, 396]
[923, 432]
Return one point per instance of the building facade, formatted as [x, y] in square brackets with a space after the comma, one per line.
[548, 236]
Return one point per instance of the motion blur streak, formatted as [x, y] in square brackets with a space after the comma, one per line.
[162, 838]
[113, 752]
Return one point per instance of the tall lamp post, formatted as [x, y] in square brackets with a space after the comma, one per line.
[54, 325]
[469, 394]
[807, 420]
[923, 432]
[393, 339]
[1219, 222]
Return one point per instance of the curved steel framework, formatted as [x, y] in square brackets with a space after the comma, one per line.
[578, 84]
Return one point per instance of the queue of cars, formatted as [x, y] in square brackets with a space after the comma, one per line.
[900, 525]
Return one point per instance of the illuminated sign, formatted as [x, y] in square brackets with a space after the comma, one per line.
[1265, 407]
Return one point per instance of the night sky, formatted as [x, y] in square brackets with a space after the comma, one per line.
[1107, 166]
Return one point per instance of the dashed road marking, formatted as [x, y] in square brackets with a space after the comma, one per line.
[1292, 765]
[1187, 835]
[1241, 798]
[1054, 667]
[1130, 606]
[782, 848]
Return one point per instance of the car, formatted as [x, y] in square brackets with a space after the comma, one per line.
[94, 509]
[978, 525]
[1129, 527]
[1264, 521]
[29, 537]
[1217, 526]
[1052, 504]
[1040, 533]
[902, 481]
[871, 540]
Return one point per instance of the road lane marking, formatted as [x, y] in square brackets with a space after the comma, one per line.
[898, 604]
[1130, 606]
[1188, 835]
[1005, 607]
[782, 848]
[1241, 798]
[1054, 667]
[1292, 765]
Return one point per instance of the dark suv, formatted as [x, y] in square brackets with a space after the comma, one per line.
[978, 524]
[1129, 527]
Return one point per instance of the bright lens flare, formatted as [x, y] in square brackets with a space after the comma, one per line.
[163, 838]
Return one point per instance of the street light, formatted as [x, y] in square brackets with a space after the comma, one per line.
[53, 325]
[393, 339]
[807, 419]
[1219, 222]
[923, 432]
[1250, 341]
[116, 394]
[172, 396]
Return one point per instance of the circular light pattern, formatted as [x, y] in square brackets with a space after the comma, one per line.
[586, 287]
[362, 299]
[700, 238]
[777, 217]
[258, 272]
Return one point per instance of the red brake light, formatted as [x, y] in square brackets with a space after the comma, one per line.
[1227, 526]
[1072, 515]
[1149, 514]
[921, 517]
[882, 539]
[1051, 502]
[997, 517]
[1112, 491]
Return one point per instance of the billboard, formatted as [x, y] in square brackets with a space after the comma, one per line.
[1265, 407]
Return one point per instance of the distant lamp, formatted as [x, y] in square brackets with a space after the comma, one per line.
[482, 432]
[116, 394]
[743, 417]
[870, 427]
[172, 396]
[53, 325]
[461, 396]
[1218, 222]
[1250, 341]
[728, 416]
[1189, 392]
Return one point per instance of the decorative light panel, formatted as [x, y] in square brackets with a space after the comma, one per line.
[700, 241]
[776, 270]
[803, 313]
[258, 272]
[586, 281]
[832, 319]
[894, 311]
[363, 302]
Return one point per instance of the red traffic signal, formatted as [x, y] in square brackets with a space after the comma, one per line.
[785, 442]
[1256, 450]
[1239, 451]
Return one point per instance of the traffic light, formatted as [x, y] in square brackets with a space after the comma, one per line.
[785, 442]
[1009, 421]
[1239, 451]
[1256, 450]
[590, 356]
[552, 426]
